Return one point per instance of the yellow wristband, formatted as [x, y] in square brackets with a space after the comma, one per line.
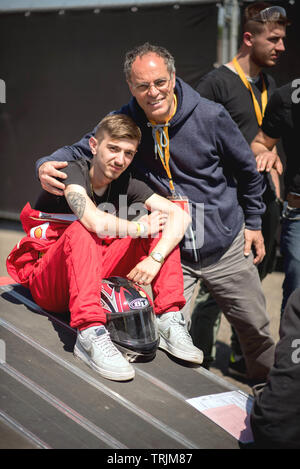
[140, 228]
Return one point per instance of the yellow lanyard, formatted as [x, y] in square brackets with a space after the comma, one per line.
[264, 94]
[163, 145]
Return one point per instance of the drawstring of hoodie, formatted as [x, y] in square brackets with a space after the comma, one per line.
[161, 140]
[161, 148]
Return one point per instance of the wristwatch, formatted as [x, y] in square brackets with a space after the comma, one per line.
[157, 256]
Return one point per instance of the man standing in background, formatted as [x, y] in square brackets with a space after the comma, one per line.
[282, 120]
[244, 89]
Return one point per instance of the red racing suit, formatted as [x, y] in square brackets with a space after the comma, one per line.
[63, 264]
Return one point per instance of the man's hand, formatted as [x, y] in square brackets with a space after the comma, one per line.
[154, 222]
[145, 271]
[254, 239]
[48, 171]
[267, 160]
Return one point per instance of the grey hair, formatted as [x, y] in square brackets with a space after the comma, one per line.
[144, 49]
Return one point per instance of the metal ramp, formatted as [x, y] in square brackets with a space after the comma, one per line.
[51, 400]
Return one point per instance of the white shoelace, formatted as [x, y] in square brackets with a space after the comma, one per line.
[180, 329]
[106, 345]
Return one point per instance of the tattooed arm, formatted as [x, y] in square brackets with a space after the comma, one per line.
[95, 220]
[77, 203]
[165, 215]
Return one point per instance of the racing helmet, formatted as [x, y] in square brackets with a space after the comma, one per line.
[130, 318]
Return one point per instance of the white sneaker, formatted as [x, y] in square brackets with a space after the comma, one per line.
[95, 348]
[175, 339]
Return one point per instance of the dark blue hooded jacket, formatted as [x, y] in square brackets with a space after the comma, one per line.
[211, 163]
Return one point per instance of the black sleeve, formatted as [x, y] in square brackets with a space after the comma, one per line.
[273, 118]
[209, 88]
[205, 88]
[77, 172]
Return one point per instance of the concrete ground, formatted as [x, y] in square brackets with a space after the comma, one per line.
[11, 233]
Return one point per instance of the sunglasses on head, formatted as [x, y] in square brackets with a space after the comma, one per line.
[273, 13]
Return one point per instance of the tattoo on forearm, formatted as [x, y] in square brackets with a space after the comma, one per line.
[76, 203]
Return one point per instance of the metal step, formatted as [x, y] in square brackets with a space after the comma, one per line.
[41, 381]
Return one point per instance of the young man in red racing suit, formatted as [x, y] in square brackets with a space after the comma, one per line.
[62, 261]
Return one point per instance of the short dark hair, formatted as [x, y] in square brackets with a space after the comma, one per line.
[118, 126]
[254, 26]
[144, 49]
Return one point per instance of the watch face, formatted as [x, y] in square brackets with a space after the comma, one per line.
[157, 256]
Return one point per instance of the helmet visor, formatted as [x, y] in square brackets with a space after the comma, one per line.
[135, 329]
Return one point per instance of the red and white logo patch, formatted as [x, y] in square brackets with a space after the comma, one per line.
[40, 231]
